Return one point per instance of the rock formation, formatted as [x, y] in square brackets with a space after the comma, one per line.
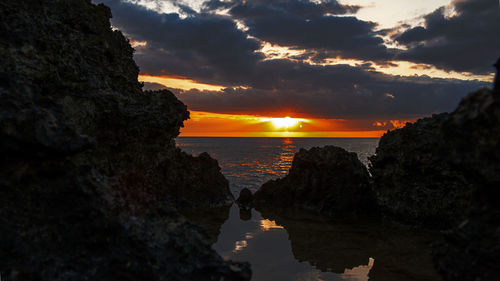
[412, 182]
[90, 178]
[496, 83]
[471, 250]
[329, 180]
[245, 199]
[444, 172]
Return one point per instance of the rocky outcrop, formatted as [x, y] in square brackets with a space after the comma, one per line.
[428, 172]
[444, 172]
[412, 182]
[90, 178]
[496, 83]
[329, 180]
[471, 250]
[245, 199]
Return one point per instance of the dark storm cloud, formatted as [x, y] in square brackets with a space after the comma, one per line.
[210, 48]
[334, 92]
[208, 45]
[307, 25]
[468, 41]
[298, 8]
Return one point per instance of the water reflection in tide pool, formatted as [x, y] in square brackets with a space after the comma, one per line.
[267, 247]
[295, 245]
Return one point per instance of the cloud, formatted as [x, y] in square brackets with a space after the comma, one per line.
[210, 48]
[310, 25]
[339, 92]
[466, 40]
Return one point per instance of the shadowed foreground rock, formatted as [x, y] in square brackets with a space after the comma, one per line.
[444, 172]
[471, 250]
[245, 199]
[89, 175]
[329, 180]
[412, 182]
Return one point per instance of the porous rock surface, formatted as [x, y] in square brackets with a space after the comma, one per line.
[329, 180]
[471, 250]
[412, 182]
[90, 178]
[444, 172]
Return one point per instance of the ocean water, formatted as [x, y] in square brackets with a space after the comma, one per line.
[297, 245]
[249, 162]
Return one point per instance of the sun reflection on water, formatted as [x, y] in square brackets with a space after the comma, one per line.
[266, 225]
[359, 272]
[240, 245]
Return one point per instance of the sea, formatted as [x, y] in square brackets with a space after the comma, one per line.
[302, 246]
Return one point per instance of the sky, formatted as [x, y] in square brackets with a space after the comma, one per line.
[311, 68]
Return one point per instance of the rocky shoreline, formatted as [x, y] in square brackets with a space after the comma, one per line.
[92, 186]
[91, 183]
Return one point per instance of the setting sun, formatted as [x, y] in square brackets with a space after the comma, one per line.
[285, 123]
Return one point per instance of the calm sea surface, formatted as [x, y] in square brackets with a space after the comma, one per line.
[249, 162]
[297, 246]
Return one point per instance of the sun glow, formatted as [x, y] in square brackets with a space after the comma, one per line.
[210, 124]
[285, 123]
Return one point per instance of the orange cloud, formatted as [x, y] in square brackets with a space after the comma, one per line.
[175, 82]
[399, 123]
[391, 124]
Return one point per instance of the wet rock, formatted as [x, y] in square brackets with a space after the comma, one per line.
[329, 180]
[89, 175]
[245, 199]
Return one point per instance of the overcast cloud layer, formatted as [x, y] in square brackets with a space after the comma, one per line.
[210, 48]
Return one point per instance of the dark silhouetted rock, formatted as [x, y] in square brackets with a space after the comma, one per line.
[245, 214]
[209, 219]
[496, 83]
[89, 175]
[444, 172]
[412, 182]
[245, 199]
[329, 180]
[471, 250]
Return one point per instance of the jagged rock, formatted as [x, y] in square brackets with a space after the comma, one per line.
[89, 174]
[329, 180]
[412, 182]
[427, 172]
[444, 172]
[471, 250]
[496, 84]
[245, 198]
